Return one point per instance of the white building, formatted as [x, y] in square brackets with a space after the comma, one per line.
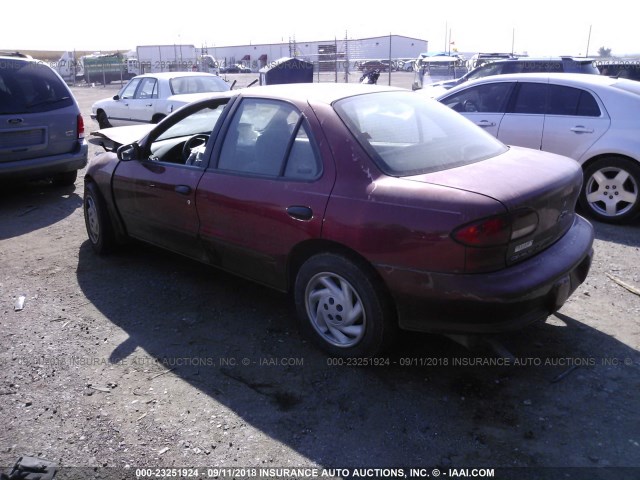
[325, 54]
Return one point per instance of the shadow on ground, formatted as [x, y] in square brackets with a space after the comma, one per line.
[434, 404]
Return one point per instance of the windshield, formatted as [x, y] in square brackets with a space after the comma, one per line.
[407, 134]
[30, 87]
[197, 84]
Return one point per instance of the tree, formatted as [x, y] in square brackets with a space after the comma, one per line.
[604, 52]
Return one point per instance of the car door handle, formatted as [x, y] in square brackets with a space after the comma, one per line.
[299, 212]
[581, 129]
[183, 189]
[485, 123]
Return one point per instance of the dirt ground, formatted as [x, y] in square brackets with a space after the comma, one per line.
[145, 359]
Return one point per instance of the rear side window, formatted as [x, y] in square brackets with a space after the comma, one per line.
[31, 87]
[271, 138]
[571, 101]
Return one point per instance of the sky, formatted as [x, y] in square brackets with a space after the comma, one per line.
[536, 27]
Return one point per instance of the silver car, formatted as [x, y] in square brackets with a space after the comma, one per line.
[590, 118]
[41, 129]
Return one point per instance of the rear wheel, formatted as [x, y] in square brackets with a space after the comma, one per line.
[611, 190]
[103, 121]
[157, 118]
[342, 308]
[96, 220]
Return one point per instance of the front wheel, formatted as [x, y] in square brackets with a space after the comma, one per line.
[96, 220]
[611, 190]
[342, 307]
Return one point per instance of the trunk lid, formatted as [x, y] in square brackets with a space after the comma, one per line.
[524, 181]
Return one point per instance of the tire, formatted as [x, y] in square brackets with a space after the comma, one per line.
[611, 190]
[103, 121]
[65, 179]
[157, 118]
[328, 288]
[96, 220]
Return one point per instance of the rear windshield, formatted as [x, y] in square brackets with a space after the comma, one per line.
[194, 84]
[407, 134]
[581, 67]
[30, 87]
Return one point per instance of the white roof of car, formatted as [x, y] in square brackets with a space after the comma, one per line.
[577, 79]
[170, 75]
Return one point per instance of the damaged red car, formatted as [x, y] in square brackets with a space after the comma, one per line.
[376, 208]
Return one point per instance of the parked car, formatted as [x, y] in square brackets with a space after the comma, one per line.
[237, 68]
[590, 118]
[376, 207]
[151, 97]
[41, 129]
[517, 65]
[373, 65]
[620, 68]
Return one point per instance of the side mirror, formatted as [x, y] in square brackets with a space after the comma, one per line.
[116, 97]
[126, 153]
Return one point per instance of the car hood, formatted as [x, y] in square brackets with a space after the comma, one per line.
[112, 138]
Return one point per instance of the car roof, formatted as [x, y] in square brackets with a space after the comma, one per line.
[319, 92]
[577, 79]
[543, 59]
[170, 75]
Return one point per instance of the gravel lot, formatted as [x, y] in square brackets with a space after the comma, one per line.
[145, 359]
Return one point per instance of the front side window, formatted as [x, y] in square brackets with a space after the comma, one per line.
[406, 134]
[185, 141]
[488, 98]
[130, 89]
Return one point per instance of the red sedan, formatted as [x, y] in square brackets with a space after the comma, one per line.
[377, 208]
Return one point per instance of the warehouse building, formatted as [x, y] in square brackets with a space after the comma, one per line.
[326, 55]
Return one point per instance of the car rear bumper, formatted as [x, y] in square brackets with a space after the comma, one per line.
[493, 302]
[42, 167]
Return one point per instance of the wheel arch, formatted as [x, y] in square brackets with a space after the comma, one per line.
[305, 250]
[157, 117]
[118, 227]
[587, 163]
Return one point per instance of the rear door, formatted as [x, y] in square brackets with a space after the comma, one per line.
[523, 122]
[267, 191]
[573, 122]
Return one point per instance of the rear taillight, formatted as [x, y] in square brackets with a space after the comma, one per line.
[484, 233]
[80, 128]
[497, 230]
